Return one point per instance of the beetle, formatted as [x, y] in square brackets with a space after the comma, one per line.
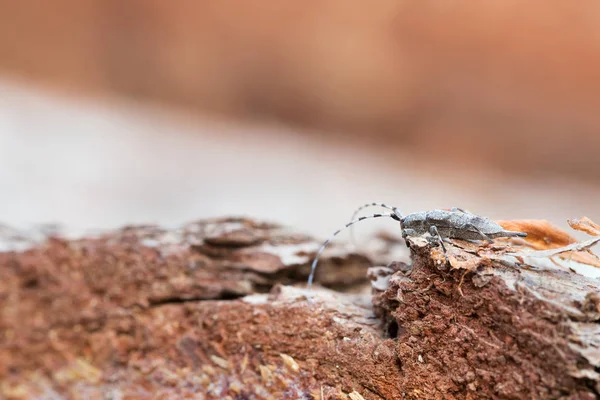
[439, 224]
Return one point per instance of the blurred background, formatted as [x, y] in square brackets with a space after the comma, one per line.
[147, 111]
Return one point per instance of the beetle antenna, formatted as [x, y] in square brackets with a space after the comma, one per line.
[382, 205]
[349, 224]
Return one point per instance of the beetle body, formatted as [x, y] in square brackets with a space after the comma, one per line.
[455, 224]
[439, 224]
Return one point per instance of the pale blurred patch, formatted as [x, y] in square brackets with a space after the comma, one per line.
[96, 165]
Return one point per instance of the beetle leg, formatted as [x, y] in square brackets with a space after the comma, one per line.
[483, 235]
[434, 233]
[454, 209]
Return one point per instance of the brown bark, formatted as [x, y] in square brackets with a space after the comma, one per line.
[209, 310]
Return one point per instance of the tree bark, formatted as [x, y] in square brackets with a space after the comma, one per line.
[217, 310]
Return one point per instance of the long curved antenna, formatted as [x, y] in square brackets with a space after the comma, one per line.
[316, 260]
[359, 209]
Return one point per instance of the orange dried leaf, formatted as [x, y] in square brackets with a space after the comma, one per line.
[541, 234]
[584, 257]
[585, 225]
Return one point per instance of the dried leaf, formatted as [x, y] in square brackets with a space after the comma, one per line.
[585, 225]
[541, 234]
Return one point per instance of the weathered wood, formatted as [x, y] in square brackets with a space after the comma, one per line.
[207, 311]
[91, 303]
[491, 326]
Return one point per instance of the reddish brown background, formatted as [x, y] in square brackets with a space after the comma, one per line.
[500, 83]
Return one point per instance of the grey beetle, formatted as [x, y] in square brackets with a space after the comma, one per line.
[440, 224]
